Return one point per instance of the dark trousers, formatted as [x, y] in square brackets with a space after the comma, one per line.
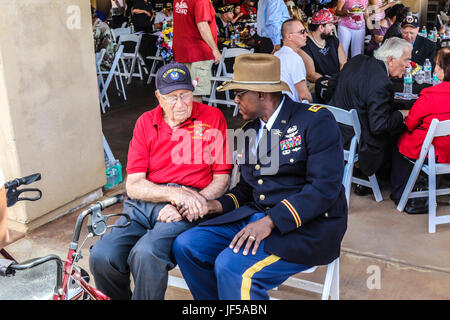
[117, 21]
[400, 171]
[142, 249]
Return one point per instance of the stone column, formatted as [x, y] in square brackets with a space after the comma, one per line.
[49, 108]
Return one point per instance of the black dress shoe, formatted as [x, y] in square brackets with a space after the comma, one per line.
[417, 206]
[361, 190]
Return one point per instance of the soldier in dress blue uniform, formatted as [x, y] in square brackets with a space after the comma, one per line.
[279, 219]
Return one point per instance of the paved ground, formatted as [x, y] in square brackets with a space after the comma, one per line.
[385, 254]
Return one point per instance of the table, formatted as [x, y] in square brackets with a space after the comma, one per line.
[321, 89]
[238, 44]
[400, 104]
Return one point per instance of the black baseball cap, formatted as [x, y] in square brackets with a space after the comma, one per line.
[173, 76]
[410, 21]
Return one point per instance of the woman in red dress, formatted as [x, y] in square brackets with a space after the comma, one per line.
[433, 103]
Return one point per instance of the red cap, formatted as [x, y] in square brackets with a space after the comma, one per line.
[323, 16]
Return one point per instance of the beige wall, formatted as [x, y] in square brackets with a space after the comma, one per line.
[49, 112]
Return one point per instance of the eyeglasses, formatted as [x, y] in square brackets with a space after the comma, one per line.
[240, 94]
[303, 31]
[173, 99]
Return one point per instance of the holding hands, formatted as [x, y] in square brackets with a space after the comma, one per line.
[185, 203]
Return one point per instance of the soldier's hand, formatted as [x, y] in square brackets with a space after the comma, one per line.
[252, 234]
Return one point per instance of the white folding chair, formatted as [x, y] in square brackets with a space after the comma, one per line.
[328, 289]
[104, 101]
[117, 32]
[221, 75]
[350, 118]
[132, 57]
[432, 169]
[156, 59]
[113, 72]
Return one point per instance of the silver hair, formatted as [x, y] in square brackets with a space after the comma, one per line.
[392, 47]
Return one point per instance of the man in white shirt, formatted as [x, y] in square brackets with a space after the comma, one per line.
[165, 15]
[293, 70]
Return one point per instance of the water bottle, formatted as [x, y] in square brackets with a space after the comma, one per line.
[407, 83]
[113, 174]
[238, 37]
[435, 79]
[164, 26]
[435, 34]
[427, 69]
[233, 41]
[424, 32]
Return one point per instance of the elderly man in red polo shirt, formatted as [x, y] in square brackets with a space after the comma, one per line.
[177, 158]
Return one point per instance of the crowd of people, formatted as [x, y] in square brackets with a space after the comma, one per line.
[239, 243]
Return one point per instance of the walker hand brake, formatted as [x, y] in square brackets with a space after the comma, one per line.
[12, 194]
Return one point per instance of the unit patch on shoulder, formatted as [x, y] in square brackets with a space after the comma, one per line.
[316, 107]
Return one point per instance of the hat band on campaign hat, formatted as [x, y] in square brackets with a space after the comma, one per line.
[255, 82]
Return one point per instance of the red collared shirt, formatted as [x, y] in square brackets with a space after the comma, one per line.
[189, 156]
[188, 45]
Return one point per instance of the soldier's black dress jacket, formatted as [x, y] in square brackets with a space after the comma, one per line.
[305, 196]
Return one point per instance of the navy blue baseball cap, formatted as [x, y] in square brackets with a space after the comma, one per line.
[410, 21]
[173, 76]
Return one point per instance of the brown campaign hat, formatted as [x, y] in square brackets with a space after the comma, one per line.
[259, 72]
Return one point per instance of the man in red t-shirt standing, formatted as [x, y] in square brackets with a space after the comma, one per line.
[195, 41]
[177, 160]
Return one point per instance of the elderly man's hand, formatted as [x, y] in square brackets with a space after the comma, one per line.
[169, 214]
[191, 204]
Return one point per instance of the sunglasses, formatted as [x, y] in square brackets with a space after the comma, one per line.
[239, 94]
[303, 31]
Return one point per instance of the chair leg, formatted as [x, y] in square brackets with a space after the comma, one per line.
[130, 76]
[348, 173]
[328, 281]
[335, 282]
[124, 95]
[236, 110]
[375, 188]
[409, 186]
[432, 198]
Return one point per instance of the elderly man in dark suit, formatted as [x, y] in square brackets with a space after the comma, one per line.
[364, 84]
[288, 212]
[423, 48]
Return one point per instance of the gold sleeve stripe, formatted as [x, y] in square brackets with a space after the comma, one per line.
[293, 212]
[236, 203]
[248, 274]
